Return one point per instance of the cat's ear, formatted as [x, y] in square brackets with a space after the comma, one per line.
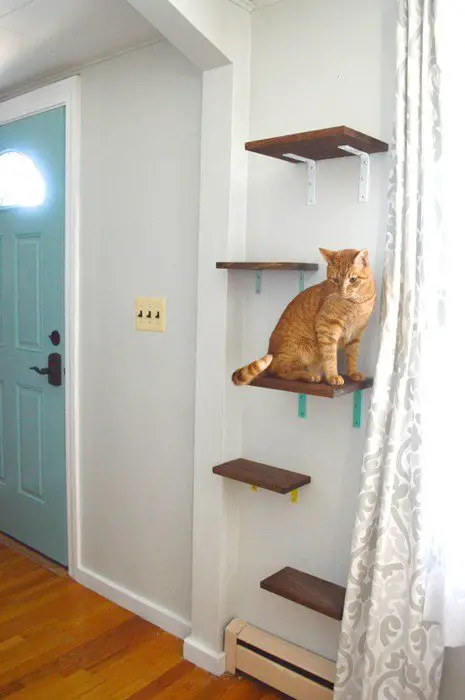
[361, 258]
[327, 254]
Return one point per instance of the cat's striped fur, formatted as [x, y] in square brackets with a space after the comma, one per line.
[318, 322]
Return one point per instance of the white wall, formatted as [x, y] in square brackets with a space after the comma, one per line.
[141, 117]
[215, 34]
[315, 64]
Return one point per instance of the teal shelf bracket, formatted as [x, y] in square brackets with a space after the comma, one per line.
[301, 281]
[258, 282]
[357, 413]
[302, 406]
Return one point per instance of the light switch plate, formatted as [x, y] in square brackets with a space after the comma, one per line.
[150, 314]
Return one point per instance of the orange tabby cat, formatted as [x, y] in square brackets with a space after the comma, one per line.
[318, 322]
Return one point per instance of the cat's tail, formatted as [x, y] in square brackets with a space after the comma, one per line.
[247, 374]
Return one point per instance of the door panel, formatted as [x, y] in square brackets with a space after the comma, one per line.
[1, 292]
[2, 451]
[29, 430]
[28, 291]
[32, 425]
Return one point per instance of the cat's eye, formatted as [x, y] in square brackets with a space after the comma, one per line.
[335, 280]
[352, 280]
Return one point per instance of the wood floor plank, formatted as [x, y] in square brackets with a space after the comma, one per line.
[130, 675]
[56, 688]
[120, 638]
[62, 610]
[46, 650]
[60, 641]
[13, 566]
[155, 687]
[10, 689]
[217, 688]
[32, 555]
[26, 601]
[11, 643]
[16, 584]
[5, 553]
[190, 685]
[244, 690]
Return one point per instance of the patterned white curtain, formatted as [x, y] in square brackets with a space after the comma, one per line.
[387, 651]
[444, 462]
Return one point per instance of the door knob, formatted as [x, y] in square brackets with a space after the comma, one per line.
[53, 369]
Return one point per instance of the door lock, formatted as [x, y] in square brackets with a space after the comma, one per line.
[53, 369]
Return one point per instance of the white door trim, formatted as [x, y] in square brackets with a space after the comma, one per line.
[65, 93]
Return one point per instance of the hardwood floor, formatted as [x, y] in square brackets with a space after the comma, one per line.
[60, 641]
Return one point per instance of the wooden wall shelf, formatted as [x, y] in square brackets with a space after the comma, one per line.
[262, 475]
[311, 592]
[317, 145]
[327, 391]
[266, 266]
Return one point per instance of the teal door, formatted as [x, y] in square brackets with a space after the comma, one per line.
[32, 410]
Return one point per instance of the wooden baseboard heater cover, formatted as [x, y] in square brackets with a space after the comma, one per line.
[288, 668]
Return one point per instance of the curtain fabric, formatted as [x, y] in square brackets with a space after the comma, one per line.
[387, 651]
[444, 464]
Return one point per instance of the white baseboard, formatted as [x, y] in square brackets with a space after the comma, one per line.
[204, 657]
[148, 610]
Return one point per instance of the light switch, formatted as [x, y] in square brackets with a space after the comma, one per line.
[150, 314]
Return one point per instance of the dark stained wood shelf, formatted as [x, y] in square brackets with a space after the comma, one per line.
[317, 145]
[266, 381]
[312, 592]
[266, 266]
[262, 475]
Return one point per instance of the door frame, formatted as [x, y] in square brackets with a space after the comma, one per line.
[66, 93]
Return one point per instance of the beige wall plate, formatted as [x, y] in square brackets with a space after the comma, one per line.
[150, 314]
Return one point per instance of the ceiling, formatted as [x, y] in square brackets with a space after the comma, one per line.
[252, 5]
[45, 39]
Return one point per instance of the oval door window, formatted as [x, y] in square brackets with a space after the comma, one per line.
[21, 183]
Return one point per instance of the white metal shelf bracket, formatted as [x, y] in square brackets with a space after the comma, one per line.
[311, 176]
[364, 180]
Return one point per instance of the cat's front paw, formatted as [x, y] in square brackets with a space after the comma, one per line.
[314, 378]
[357, 377]
[336, 380]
